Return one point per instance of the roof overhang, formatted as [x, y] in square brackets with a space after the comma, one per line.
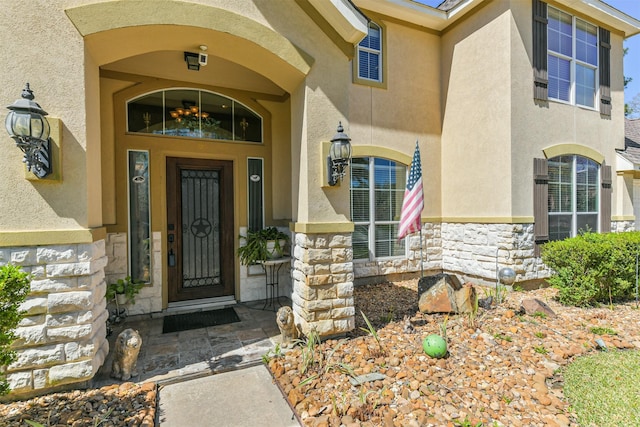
[436, 19]
[419, 14]
[345, 18]
[606, 14]
[623, 164]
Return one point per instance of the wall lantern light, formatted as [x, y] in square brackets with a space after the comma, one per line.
[339, 156]
[27, 126]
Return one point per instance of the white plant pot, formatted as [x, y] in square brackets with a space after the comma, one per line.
[122, 299]
[271, 248]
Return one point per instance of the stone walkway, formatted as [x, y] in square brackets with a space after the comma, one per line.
[177, 356]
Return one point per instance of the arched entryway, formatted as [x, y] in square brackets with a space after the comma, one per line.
[136, 54]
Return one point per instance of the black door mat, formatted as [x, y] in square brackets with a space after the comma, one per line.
[199, 319]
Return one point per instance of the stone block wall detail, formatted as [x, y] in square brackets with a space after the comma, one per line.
[476, 252]
[322, 276]
[472, 251]
[62, 339]
[149, 300]
[622, 226]
[430, 251]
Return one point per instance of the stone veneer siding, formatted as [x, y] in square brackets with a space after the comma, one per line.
[322, 275]
[431, 253]
[476, 252]
[149, 300]
[62, 338]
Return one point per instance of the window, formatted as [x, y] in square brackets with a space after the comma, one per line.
[377, 188]
[370, 55]
[255, 193]
[139, 216]
[572, 58]
[573, 196]
[195, 114]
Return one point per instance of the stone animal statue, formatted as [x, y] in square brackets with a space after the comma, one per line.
[288, 328]
[125, 356]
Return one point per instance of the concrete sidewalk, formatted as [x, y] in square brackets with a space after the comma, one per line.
[243, 397]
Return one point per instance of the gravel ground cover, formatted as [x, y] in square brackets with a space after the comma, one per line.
[503, 367]
[125, 404]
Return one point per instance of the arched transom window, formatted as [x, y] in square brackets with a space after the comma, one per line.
[193, 113]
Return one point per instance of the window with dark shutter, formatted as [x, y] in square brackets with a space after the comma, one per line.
[605, 72]
[605, 199]
[540, 75]
[540, 203]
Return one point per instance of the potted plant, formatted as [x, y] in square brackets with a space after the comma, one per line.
[262, 245]
[123, 291]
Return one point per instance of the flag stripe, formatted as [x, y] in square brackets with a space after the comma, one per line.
[413, 201]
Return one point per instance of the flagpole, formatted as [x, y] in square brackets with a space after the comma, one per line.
[421, 255]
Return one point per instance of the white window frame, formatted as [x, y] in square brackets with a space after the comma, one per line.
[574, 62]
[574, 198]
[378, 52]
[372, 222]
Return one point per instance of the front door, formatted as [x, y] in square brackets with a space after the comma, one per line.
[200, 234]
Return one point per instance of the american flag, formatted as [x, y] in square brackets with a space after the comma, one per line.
[413, 201]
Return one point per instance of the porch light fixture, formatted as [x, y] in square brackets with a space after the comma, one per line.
[339, 156]
[27, 126]
[192, 60]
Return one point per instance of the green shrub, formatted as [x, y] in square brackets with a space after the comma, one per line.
[593, 268]
[14, 287]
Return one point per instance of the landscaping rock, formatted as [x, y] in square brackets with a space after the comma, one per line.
[443, 293]
[532, 306]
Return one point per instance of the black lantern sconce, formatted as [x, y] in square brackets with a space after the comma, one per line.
[27, 126]
[339, 156]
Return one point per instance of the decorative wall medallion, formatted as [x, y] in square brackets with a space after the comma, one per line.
[255, 178]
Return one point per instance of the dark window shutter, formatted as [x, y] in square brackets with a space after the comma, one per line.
[605, 199]
[540, 203]
[540, 75]
[605, 72]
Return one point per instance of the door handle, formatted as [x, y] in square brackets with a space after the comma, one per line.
[172, 258]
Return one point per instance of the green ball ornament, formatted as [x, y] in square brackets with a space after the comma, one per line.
[435, 346]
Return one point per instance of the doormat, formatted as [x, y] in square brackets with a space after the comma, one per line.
[199, 319]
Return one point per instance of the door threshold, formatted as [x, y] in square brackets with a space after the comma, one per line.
[200, 304]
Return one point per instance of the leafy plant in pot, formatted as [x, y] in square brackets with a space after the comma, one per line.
[124, 290]
[261, 245]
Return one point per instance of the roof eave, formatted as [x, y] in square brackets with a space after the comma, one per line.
[345, 18]
[601, 11]
[417, 13]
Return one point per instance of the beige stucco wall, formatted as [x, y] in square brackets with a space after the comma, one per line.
[407, 108]
[492, 126]
[52, 60]
[558, 123]
[476, 133]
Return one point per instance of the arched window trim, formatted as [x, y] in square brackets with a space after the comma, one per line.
[234, 102]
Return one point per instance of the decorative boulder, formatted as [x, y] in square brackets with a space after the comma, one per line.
[443, 293]
[532, 306]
